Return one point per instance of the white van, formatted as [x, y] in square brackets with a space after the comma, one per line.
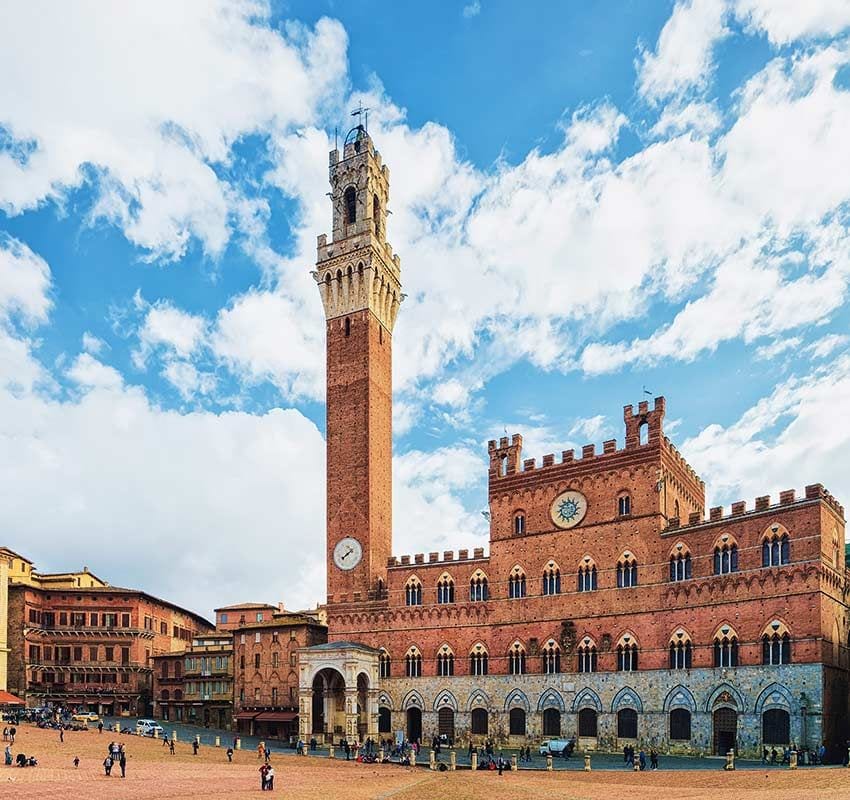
[146, 727]
[554, 747]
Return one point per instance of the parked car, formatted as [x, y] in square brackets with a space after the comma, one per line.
[147, 727]
[86, 716]
[557, 747]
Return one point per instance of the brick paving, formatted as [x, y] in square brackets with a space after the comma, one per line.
[152, 774]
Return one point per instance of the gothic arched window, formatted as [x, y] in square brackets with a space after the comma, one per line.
[413, 663]
[551, 579]
[587, 580]
[445, 662]
[551, 658]
[627, 654]
[478, 660]
[445, 589]
[776, 644]
[680, 563]
[516, 583]
[385, 664]
[516, 659]
[350, 200]
[587, 655]
[725, 647]
[775, 547]
[413, 592]
[478, 588]
[725, 556]
[681, 650]
[627, 571]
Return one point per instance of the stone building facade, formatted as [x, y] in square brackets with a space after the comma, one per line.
[76, 642]
[612, 606]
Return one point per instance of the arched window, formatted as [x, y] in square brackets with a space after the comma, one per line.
[776, 644]
[551, 654]
[178, 694]
[680, 724]
[775, 546]
[587, 655]
[478, 587]
[587, 722]
[725, 647]
[551, 579]
[776, 726]
[516, 722]
[385, 664]
[681, 650]
[680, 563]
[643, 432]
[627, 571]
[479, 721]
[413, 592]
[551, 722]
[478, 660]
[627, 723]
[627, 653]
[624, 504]
[445, 589]
[725, 556]
[516, 659]
[587, 581]
[676, 509]
[413, 663]
[445, 662]
[503, 466]
[376, 214]
[350, 199]
[519, 523]
[348, 326]
[165, 694]
[516, 583]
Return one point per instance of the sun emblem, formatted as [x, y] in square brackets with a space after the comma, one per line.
[568, 509]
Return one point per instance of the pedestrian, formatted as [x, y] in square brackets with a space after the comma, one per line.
[123, 764]
[229, 755]
[653, 758]
[61, 734]
[8, 753]
[501, 764]
[76, 762]
[171, 745]
[261, 748]
[270, 779]
[263, 770]
[268, 754]
[12, 731]
[5, 734]
[100, 727]
[347, 747]
[107, 766]
[195, 747]
[625, 754]
[642, 760]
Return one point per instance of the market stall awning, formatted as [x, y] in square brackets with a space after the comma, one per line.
[245, 715]
[7, 699]
[277, 716]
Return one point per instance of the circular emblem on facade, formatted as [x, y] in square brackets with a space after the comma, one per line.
[347, 553]
[568, 509]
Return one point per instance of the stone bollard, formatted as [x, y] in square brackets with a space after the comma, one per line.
[330, 751]
[586, 762]
[514, 766]
[155, 733]
[218, 741]
[452, 760]
[636, 764]
[473, 761]
[433, 761]
[848, 757]
[117, 728]
[792, 760]
[730, 761]
[549, 766]
[198, 738]
[174, 736]
[238, 743]
[412, 759]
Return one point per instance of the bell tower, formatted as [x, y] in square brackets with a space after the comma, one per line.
[359, 281]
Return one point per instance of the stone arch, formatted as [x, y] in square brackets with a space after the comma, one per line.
[587, 698]
[725, 694]
[517, 699]
[445, 699]
[551, 699]
[774, 696]
[680, 697]
[478, 699]
[627, 698]
[385, 700]
[412, 700]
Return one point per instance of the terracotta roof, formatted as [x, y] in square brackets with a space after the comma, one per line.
[283, 621]
[7, 699]
[246, 606]
[11, 552]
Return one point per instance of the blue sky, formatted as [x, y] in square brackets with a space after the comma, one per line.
[588, 201]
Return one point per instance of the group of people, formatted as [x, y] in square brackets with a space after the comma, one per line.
[629, 757]
[267, 778]
[9, 734]
[115, 753]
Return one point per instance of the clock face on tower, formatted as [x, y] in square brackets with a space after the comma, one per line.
[568, 509]
[347, 553]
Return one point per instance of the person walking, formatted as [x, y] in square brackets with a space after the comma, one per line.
[8, 755]
[100, 727]
[642, 760]
[76, 762]
[61, 734]
[347, 747]
[123, 764]
[171, 745]
[229, 755]
[263, 770]
[270, 779]
[268, 754]
[653, 758]
[195, 747]
[12, 731]
[107, 766]
[5, 734]
[261, 748]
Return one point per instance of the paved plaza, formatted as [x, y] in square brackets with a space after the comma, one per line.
[153, 773]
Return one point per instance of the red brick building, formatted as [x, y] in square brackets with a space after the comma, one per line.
[610, 607]
[92, 647]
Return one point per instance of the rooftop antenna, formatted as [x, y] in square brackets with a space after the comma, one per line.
[336, 138]
[646, 391]
[363, 113]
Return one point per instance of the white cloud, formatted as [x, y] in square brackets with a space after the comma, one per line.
[785, 21]
[700, 117]
[188, 381]
[145, 101]
[683, 58]
[165, 326]
[24, 282]
[827, 345]
[777, 347]
[90, 373]
[472, 9]
[789, 439]
[92, 344]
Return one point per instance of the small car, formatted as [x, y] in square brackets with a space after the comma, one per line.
[147, 727]
[86, 716]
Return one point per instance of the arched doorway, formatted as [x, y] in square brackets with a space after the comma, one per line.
[446, 723]
[414, 725]
[776, 726]
[587, 723]
[627, 723]
[384, 720]
[725, 730]
[516, 722]
[480, 721]
[551, 722]
[328, 703]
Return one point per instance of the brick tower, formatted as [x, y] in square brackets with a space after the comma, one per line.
[358, 279]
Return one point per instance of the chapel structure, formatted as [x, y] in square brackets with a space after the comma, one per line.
[612, 606]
